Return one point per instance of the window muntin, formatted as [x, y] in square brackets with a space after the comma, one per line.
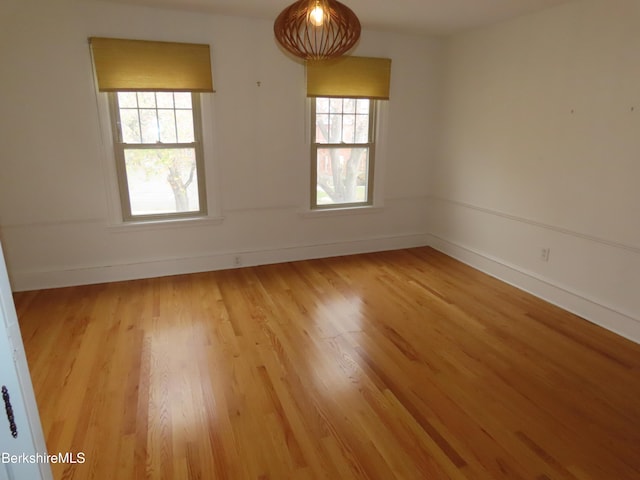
[159, 155]
[342, 152]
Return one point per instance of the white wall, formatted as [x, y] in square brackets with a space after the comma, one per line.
[541, 148]
[55, 208]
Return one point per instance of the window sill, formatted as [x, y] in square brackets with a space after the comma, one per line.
[335, 212]
[165, 224]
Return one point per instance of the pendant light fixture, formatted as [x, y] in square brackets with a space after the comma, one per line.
[317, 29]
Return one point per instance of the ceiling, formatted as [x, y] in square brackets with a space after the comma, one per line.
[415, 16]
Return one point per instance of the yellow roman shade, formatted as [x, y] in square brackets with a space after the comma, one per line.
[357, 77]
[129, 65]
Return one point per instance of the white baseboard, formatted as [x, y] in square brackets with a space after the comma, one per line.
[602, 315]
[148, 268]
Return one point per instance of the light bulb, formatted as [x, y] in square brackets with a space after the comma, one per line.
[317, 15]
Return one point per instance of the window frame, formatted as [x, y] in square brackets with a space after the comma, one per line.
[119, 148]
[370, 146]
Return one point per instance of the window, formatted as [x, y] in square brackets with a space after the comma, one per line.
[158, 152]
[344, 95]
[343, 151]
[154, 92]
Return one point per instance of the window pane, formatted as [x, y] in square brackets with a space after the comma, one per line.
[130, 126]
[343, 175]
[349, 105]
[149, 122]
[335, 129]
[362, 105]
[183, 99]
[322, 128]
[162, 181]
[165, 99]
[322, 105]
[185, 126]
[348, 128]
[147, 99]
[362, 128]
[127, 100]
[335, 105]
[167, 122]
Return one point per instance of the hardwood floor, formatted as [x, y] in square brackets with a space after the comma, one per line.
[394, 365]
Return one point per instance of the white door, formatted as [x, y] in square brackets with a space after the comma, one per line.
[22, 446]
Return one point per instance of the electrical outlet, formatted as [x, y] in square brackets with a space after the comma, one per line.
[237, 261]
[544, 254]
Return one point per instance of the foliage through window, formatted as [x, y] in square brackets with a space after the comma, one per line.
[342, 152]
[158, 152]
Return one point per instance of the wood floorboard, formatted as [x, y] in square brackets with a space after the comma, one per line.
[395, 365]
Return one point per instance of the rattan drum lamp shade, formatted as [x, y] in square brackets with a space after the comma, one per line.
[317, 29]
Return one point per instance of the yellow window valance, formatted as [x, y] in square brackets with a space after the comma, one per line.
[357, 77]
[129, 65]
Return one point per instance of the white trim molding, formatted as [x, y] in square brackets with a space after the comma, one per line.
[546, 226]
